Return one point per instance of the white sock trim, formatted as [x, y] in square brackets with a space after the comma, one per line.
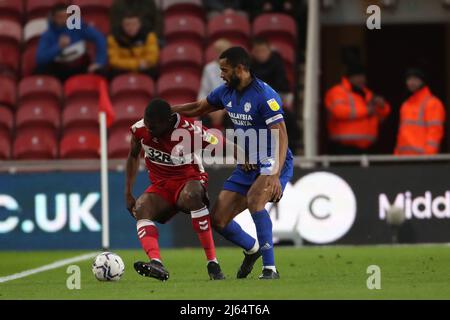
[200, 213]
[144, 223]
[270, 267]
[213, 260]
[254, 249]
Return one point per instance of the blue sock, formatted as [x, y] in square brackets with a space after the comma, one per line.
[235, 234]
[264, 231]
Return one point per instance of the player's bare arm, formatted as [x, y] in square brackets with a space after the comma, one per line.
[281, 141]
[267, 187]
[194, 109]
[131, 172]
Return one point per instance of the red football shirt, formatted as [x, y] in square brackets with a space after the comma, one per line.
[170, 157]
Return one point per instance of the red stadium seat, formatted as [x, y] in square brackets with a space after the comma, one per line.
[6, 119]
[80, 145]
[7, 91]
[231, 26]
[132, 84]
[184, 29]
[192, 8]
[96, 13]
[36, 113]
[131, 94]
[35, 144]
[181, 57]
[85, 85]
[129, 109]
[5, 146]
[29, 60]
[9, 57]
[82, 97]
[10, 30]
[80, 113]
[98, 20]
[11, 10]
[33, 30]
[39, 102]
[119, 142]
[40, 87]
[210, 54]
[93, 4]
[39, 8]
[10, 39]
[178, 87]
[276, 26]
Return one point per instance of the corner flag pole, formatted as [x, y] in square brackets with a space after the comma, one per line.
[312, 73]
[104, 180]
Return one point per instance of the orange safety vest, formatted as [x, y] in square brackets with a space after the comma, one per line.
[351, 121]
[422, 119]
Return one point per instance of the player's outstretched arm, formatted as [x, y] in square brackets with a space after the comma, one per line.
[131, 172]
[194, 109]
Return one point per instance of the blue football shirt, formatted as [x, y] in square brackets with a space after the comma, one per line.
[252, 111]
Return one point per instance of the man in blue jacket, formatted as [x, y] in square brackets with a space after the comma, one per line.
[62, 52]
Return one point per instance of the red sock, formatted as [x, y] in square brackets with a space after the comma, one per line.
[202, 226]
[148, 236]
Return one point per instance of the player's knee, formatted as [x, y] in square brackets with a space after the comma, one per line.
[191, 199]
[254, 203]
[217, 222]
[139, 211]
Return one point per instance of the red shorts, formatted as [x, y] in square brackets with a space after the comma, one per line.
[170, 189]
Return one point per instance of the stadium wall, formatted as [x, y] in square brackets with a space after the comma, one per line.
[341, 205]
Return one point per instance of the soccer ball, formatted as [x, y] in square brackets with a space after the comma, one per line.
[108, 266]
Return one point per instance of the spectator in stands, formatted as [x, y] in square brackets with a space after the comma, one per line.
[210, 80]
[267, 65]
[354, 114]
[62, 52]
[152, 19]
[422, 118]
[215, 7]
[133, 48]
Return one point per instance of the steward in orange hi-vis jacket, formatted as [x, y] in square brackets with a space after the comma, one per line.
[354, 114]
[422, 119]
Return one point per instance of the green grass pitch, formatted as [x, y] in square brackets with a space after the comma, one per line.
[407, 272]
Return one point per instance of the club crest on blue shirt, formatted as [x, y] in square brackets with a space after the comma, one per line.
[247, 106]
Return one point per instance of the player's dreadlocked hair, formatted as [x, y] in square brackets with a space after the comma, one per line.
[235, 56]
[158, 109]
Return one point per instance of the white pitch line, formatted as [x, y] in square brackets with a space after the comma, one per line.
[54, 265]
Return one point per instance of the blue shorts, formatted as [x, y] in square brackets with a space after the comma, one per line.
[241, 181]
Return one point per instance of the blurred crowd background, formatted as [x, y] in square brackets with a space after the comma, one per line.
[381, 91]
